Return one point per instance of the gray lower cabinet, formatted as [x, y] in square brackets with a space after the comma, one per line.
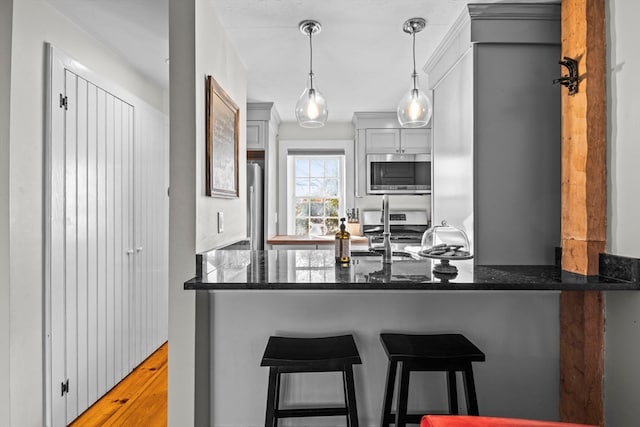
[497, 131]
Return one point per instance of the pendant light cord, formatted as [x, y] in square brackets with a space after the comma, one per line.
[414, 75]
[413, 36]
[310, 60]
[310, 53]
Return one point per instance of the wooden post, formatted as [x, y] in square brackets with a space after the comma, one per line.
[581, 357]
[583, 212]
[584, 121]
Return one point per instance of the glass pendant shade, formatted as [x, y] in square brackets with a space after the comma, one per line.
[414, 109]
[311, 108]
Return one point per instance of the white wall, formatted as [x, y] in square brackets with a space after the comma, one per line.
[623, 129]
[198, 45]
[182, 210]
[622, 340]
[6, 15]
[216, 56]
[34, 23]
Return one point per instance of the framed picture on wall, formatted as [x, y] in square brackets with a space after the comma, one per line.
[223, 124]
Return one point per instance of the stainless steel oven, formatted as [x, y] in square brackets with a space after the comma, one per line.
[398, 174]
[407, 228]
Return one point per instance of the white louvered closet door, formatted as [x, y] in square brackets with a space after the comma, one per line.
[107, 241]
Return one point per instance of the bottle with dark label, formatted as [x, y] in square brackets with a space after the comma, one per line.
[343, 244]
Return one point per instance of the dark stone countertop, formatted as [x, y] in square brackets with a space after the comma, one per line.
[224, 270]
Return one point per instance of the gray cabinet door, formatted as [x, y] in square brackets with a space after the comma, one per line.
[255, 135]
[415, 141]
[406, 141]
[382, 141]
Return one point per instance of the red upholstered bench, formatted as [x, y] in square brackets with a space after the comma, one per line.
[471, 421]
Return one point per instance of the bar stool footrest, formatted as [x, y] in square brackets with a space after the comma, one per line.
[311, 412]
[412, 418]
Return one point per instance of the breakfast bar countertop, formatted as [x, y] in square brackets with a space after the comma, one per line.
[308, 270]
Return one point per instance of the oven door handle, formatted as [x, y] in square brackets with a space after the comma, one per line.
[378, 229]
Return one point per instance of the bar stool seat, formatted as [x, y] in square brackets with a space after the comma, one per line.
[473, 421]
[325, 354]
[448, 353]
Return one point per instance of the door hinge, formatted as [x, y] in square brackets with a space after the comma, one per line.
[64, 387]
[64, 102]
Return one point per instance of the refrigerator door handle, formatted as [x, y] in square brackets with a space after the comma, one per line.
[252, 225]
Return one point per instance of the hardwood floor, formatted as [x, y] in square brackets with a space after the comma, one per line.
[138, 400]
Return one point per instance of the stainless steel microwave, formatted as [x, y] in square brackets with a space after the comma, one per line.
[398, 174]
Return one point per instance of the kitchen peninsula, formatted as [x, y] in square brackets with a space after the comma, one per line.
[510, 312]
[219, 270]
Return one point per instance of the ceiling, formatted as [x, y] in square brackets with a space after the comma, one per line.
[361, 58]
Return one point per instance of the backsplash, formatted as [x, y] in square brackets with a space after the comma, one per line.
[620, 267]
[612, 266]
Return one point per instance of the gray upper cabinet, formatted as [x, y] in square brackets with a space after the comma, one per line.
[415, 141]
[257, 135]
[262, 125]
[403, 141]
[497, 131]
[380, 133]
[382, 140]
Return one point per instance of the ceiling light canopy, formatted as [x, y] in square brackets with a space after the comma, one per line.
[414, 109]
[311, 108]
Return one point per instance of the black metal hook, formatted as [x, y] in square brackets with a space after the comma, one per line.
[571, 81]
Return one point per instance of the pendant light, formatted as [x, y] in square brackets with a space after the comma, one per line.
[414, 109]
[311, 108]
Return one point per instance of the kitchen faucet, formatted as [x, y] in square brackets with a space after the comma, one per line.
[386, 231]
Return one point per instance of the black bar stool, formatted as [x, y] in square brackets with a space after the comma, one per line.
[448, 353]
[327, 354]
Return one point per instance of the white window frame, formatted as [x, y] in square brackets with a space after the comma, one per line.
[311, 146]
[291, 187]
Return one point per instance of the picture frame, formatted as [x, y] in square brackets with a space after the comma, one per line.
[222, 144]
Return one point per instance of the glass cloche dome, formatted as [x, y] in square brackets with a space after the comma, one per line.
[446, 243]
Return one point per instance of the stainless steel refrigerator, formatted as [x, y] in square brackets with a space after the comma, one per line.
[255, 205]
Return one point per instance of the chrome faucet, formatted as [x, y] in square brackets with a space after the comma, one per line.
[387, 257]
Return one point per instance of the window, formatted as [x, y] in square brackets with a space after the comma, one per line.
[318, 194]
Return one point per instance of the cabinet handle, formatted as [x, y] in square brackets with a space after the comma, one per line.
[139, 249]
[129, 252]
